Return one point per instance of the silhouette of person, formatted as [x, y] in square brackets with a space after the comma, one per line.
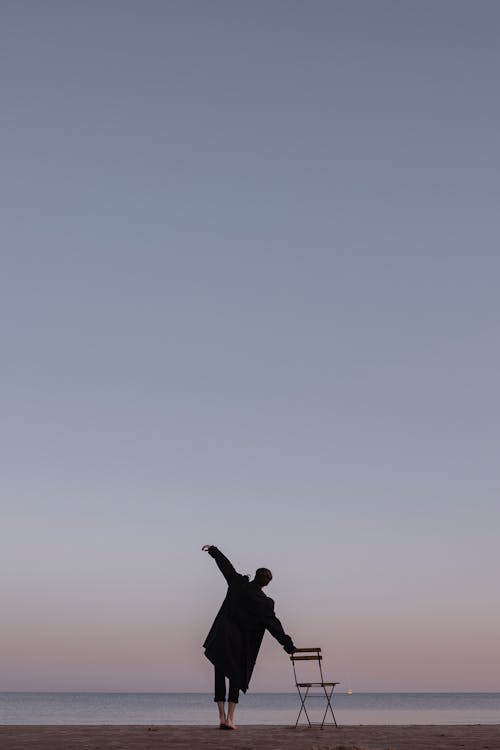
[234, 640]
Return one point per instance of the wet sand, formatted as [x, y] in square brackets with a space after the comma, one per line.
[418, 737]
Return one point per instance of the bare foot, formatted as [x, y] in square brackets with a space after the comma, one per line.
[230, 725]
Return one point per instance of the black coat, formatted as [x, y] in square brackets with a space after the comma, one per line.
[233, 642]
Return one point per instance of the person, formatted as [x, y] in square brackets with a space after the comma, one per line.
[234, 640]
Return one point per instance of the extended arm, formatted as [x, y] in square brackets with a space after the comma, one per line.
[225, 567]
[274, 626]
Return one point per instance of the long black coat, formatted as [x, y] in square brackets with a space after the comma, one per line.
[234, 640]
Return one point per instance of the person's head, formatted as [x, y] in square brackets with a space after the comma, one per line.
[263, 576]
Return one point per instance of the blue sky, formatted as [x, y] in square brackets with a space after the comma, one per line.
[249, 297]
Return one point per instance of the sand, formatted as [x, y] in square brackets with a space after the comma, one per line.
[421, 737]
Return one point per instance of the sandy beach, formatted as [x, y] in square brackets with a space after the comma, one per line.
[421, 737]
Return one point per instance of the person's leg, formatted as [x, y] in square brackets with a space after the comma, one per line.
[220, 695]
[234, 692]
[222, 712]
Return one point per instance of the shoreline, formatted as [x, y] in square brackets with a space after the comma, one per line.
[263, 737]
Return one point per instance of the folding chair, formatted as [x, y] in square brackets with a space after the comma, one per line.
[303, 688]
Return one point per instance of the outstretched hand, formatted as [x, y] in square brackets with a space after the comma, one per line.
[206, 547]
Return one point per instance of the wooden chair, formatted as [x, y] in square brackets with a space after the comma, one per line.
[304, 688]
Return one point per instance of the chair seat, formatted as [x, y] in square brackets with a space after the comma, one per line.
[316, 684]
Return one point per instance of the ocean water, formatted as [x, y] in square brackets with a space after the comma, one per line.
[258, 708]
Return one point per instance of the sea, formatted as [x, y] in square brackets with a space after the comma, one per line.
[254, 708]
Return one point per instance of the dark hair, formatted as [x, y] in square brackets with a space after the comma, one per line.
[263, 576]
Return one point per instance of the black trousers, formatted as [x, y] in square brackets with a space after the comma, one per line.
[220, 688]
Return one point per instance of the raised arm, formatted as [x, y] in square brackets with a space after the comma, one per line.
[225, 567]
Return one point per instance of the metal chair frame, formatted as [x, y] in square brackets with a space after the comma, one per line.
[303, 688]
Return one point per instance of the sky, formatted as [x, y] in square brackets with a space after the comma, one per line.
[249, 297]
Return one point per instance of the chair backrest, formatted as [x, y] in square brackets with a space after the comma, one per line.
[307, 654]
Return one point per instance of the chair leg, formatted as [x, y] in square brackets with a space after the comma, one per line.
[303, 708]
[328, 696]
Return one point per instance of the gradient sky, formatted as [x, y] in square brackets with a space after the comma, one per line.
[249, 296]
